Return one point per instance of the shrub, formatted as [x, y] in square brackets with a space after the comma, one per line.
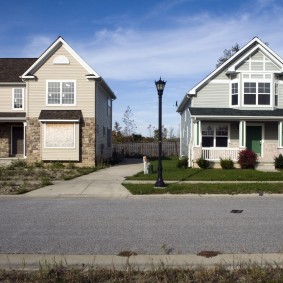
[226, 163]
[203, 163]
[247, 159]
[183, 162]
[278, 162]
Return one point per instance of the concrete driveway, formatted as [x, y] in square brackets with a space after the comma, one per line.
[103, 183]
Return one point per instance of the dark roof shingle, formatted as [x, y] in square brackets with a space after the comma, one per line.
[233, 112]
[12, 68]
[60, 115]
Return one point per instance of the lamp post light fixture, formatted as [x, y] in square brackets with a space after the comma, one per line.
[160, 85]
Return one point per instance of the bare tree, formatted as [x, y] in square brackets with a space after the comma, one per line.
[130, 126]
[227, 53]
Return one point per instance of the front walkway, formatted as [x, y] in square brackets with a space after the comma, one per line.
[103, 183]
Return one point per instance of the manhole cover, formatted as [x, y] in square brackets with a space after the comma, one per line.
[236, 210]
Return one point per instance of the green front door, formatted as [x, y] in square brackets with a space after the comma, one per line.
[253, 139]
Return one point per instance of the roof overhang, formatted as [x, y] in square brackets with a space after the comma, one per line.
[12, 117]
[60, 116]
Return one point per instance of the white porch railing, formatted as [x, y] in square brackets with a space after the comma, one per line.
[217, 153]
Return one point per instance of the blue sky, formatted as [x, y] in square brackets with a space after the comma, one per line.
[132, 43]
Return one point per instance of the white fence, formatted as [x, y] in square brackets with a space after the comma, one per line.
[150, 149]
[217, 153]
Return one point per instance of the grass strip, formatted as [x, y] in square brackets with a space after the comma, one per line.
[173, 173]
[200, 188]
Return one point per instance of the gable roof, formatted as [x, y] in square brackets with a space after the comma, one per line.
[90, 72]
[12, 68]
[232, 63]
[59, 41]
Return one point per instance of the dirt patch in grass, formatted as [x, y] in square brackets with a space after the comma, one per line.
[20, 177]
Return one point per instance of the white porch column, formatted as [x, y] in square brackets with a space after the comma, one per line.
[280, 131]
[24, 143]
[242, 134]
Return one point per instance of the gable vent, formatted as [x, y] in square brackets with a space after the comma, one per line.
[61, 60]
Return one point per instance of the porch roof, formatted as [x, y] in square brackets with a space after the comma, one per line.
[12, 116]
[230, 113]
[60, 115]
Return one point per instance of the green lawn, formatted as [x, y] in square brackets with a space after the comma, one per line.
[200, 188]
[172, 173]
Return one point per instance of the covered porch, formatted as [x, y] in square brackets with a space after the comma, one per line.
[215, 138]
[12, 136]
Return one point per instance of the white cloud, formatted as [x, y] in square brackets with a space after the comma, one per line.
[130, 59]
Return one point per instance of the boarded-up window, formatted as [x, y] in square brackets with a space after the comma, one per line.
[60, 135]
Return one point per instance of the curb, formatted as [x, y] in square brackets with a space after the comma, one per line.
[139, 262]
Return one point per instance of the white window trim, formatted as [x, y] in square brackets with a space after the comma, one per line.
[270, 81]
[214, 140]
[61, 81]
[53, 147]
[23, 99]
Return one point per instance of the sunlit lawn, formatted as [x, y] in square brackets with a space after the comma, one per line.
[171, 172]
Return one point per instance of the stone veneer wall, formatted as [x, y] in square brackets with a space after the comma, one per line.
[33, 140]
[87, 143]
[5, 140]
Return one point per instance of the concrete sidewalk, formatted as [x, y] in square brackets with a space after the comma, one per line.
[102, 183]
[139, 262]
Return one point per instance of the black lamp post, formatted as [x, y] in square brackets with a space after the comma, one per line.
[160, 85]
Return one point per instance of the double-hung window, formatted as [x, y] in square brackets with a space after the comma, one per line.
[18, 98]
[61, 93]
[257, 93]
[214, 135]
[235, 94]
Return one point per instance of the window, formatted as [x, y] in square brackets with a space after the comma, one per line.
[256, 93]
[60, 93]
[276, 93]
[108, 107]
[109, 135]
[235, 93]
[59, 135]
[214, 135]
[18, 98]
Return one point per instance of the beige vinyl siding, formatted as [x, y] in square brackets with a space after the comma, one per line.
[62, 154]
[271, 132]
[103, 121]
[213, 95]
[6, 95]
[73, 71]
[245, 66]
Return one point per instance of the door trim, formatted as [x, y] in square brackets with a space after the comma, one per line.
[12, 139]
[262, 134]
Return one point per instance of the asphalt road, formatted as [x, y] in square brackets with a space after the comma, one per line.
[149, 225]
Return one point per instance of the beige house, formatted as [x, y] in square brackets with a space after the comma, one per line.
[54, 108]
[238, 106]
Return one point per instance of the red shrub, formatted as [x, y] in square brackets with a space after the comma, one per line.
[247, 159]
